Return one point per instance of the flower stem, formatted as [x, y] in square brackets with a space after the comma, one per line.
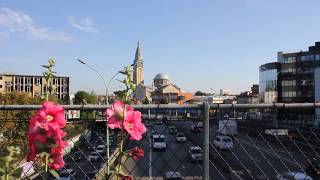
[6, 177]
[46, 162]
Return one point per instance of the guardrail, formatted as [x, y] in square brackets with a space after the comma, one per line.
[251, 143]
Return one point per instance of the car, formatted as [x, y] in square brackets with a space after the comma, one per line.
[171, 175]
[78, 156]
[199, 124]
[294, 175]
[223, 142]
[159, 142]
[172, 129]
[159, 122]
[147, 123]
[180, 137]
[195, 153]
[195, 129]
[67, 174]
[101, 149]
[94, 157]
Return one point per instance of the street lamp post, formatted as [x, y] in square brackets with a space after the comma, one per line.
[107, 88]
[106, 98]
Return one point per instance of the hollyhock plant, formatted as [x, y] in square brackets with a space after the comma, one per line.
[50, 114]
[46, 136]
[136, 153]
[132, 124]
[122, 116]
[116, 113]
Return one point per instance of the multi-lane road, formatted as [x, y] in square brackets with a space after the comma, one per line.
[253, 156]
[175, 158]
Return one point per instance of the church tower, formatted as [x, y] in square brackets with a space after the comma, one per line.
[138, 75]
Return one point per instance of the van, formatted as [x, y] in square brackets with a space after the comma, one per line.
[223, 142]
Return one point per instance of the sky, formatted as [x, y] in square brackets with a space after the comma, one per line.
[201, 44]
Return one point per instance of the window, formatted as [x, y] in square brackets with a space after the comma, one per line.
[288, 83]
[311, 58]
[317, 57]
[65, 82]
[64, 90]
[28, 88]
[0, 86]
[303, 58]
[0, 77]
[28, 80]
[289, 94]
[19, 80]
[38, 81]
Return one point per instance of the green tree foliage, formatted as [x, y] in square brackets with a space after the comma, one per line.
[82, 97]
[200, 93]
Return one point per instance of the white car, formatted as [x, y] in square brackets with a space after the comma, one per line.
[195, 153]
[67, 174]
[181, 137]
[294, 175]
[159, 142]
[223, 142]
[172, 176]
[101, 149]
[94, 156]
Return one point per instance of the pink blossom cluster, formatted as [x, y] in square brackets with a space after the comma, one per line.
[121, 115]
[45, 134]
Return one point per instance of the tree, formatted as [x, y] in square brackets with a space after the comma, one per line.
[200, 93]
[82, 97]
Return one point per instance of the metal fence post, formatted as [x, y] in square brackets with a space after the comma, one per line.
[206, 142]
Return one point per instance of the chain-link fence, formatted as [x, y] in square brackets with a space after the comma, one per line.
[181, 142]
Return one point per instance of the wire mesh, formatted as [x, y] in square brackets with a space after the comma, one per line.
[260, 147]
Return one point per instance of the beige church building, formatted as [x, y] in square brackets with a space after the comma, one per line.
[162, 91]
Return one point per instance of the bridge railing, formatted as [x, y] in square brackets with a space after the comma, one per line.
[263, 146]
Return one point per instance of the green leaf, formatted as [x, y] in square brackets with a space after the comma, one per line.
[54, 173]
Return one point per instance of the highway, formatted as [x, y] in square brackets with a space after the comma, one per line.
[253, 157]
[174, 158]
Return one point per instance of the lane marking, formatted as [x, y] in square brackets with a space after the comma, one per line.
[270, 152]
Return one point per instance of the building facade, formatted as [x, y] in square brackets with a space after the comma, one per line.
[268, 81]
[296, 75]
[138, 72]
[165, 92]
[34, 85]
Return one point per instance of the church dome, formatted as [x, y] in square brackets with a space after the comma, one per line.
[161, 76]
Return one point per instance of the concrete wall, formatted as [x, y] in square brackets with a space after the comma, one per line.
[317, 93]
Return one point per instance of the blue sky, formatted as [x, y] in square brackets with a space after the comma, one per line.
[199, 44]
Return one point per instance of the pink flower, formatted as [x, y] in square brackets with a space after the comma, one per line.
[56, 160]
[45, 134]
[50, 114]
[117, 113]
[126, 178]
[136, 153]
[133, 125]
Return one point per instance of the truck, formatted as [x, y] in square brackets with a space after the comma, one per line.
[227, 127]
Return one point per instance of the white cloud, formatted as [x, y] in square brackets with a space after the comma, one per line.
[19, 22]
[85, 24]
